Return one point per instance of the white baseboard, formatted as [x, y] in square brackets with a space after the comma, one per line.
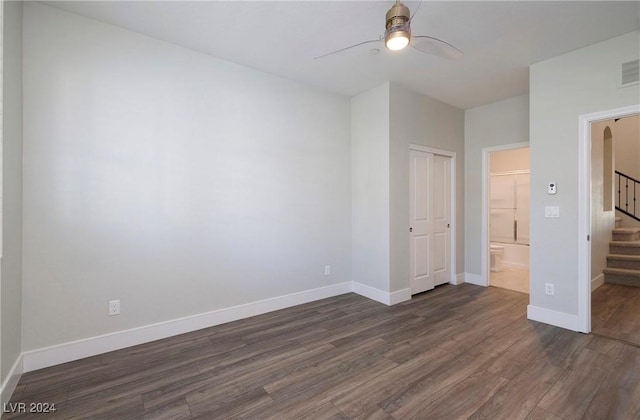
[597, 281]
[399, 296]
[475, 279]
[380, 295]
[66, 352]
[458, 279]
[559, 319]
[10, 382]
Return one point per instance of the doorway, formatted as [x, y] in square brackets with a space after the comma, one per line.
[430, 217]
[584, 208]
[508, 218]
[615, 228]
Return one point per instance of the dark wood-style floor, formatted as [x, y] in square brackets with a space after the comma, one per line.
[615, 312]
[456, 352]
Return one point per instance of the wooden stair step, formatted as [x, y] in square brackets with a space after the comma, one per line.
[631, 262]
[626, 234]
[622, 276]
[624, 247]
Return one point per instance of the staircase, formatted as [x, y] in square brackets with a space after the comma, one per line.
[626, 199]
[623, 261]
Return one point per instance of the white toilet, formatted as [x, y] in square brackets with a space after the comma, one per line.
[496, 251]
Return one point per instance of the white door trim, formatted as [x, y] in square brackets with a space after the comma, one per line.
[484, 229]
[584, 207]
[452, 204]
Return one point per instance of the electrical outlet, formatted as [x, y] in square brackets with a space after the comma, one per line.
[114, 307]
[327, 270]
[548, 289]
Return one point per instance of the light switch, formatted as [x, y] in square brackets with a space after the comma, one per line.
[552, 211]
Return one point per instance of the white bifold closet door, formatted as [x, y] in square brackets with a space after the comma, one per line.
[429, 212]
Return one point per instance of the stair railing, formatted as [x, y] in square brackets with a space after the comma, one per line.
[628, 191]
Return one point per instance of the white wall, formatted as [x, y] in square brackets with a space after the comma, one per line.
[626, 139]
[601, 221]
[171, 180]
[626, 142]
[11, 284]
[495, 124]
[370, 187]
[561, 89]
[419, 119]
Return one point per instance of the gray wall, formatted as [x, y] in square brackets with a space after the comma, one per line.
[419, 119]
[168, 179]
[370, 187]
[561, 89]
[495, 124]
[11, 290]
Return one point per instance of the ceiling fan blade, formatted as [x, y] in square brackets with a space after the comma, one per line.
[435, 46]
[346, 48]
[415, 12]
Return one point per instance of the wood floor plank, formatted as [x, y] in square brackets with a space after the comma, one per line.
[129, 407]
[138, 384]
[233, 406]
[374, 414]
[540, 414]
[60, 375]
[605, 346]
[329, 372]
[465, 398]
[454, 352]
[365, 398]
[520, 396]
[246, 379]
[176, 410]
[498, 319]
[619, 395]
[615, 312]
[520, 354]
[312, 394]
[572, 394]
[399, 323]
[566, 347]
[507, 336]
[630, 355]
[436, 381]
[305, 410]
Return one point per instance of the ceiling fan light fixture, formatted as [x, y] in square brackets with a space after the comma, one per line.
[398, 33]
[397, 40]
[397, 36]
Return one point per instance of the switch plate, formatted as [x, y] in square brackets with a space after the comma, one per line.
[327, 270]
[552, 211]
[114, 307]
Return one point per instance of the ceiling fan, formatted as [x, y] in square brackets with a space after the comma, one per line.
[397, 36]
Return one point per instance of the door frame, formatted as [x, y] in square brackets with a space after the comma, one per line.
[484, 228]
[584, 207]
[452, 204]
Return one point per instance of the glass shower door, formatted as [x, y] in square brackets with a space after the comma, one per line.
[509, 208]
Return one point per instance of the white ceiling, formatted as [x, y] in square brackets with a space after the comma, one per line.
[499, 39]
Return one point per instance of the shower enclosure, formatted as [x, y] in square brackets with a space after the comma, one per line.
[509, 207]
